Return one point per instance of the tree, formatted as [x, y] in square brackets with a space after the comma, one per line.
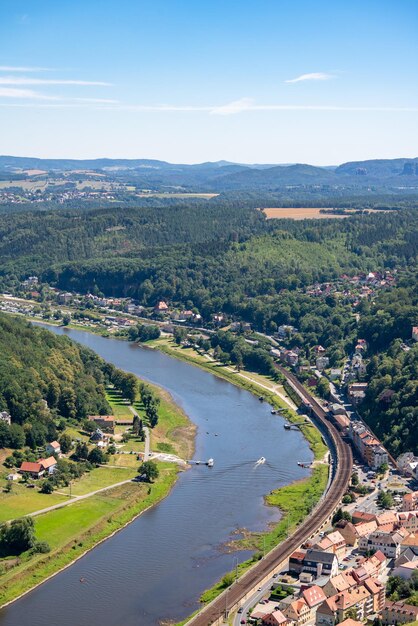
[81, 450]
[385, 499]
[65, 442]
[150, 470]
[96, 456]
[9, 486]
[341, 515]
[66, 319]
[47, 486]
[17, 536]
[179, 335]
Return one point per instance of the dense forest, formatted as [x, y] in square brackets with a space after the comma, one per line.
[391, 404]
[44, 379]
[221, 258]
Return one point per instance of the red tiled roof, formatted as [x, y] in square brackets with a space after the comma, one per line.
[49, 462]
[28, 466]
[104, 418]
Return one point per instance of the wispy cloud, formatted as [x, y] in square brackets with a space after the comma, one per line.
[10, 68]
[18, 80]
[244, 105]
[311, 76]
[28, 94]
[237, 106]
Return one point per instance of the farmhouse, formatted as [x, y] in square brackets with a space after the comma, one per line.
[34, 469]
[106, 423]
[49, 464]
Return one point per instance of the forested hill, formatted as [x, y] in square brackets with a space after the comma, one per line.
[214, 258]
[45, 378]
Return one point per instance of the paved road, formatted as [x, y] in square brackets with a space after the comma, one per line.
[273, 560]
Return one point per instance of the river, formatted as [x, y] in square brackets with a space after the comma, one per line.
[157, 567]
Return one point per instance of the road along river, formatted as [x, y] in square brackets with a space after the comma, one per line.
[157, 567]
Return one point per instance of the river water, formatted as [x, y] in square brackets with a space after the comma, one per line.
[157, 567]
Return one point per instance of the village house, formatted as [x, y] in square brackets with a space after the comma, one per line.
[408, 554]
[161, 307]
[49, 465]
[53, 448]
[399, 613]
[322, 363]
[410, 501]
[275, 619]
[362, 516]
[296, 561]
[377, 590]
[314, 596]
[336, 608]
[106, 423]
[408, 520]
[35, 470]
[333, 542]
[388, 543]
[352, 533]
[406, 570]
[339, 583]
[357, 392]
[320, 563]
[298, 612]
[5, 417]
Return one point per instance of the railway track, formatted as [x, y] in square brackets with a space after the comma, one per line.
[343, 463]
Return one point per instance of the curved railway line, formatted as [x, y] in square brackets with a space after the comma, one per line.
[342, 468]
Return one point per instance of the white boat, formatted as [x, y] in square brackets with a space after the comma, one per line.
[210, 463]
[261, 460]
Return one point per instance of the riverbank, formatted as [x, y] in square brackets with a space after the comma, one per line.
[74, 530]
[256, 384]
[234, 377]
[98, 518]
[295, 501]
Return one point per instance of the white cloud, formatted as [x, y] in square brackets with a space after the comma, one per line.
[312, 76]
[11, 92]
[17, 80]
[237, 106]
[243, 105]
[9, 68]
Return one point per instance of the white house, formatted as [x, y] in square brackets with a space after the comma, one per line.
[53, 448]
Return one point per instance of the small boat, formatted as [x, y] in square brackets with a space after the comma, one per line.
[273, 411]
[261, 460]
[210, 463]
[216, 434]
[287, 426]
[197, 462]
[261, 399]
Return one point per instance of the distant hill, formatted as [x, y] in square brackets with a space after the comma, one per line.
[379, 168]
[222, 176]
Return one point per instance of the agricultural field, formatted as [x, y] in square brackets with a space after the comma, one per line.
[298, 213]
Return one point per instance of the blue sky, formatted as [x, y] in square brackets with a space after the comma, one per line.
[270, 81]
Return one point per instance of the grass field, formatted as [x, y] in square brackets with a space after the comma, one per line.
[98, 478]
[72, 530]
[174, 428]
[22, 501]
[120, 406]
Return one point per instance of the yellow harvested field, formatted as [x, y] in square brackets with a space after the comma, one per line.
[298, 213]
